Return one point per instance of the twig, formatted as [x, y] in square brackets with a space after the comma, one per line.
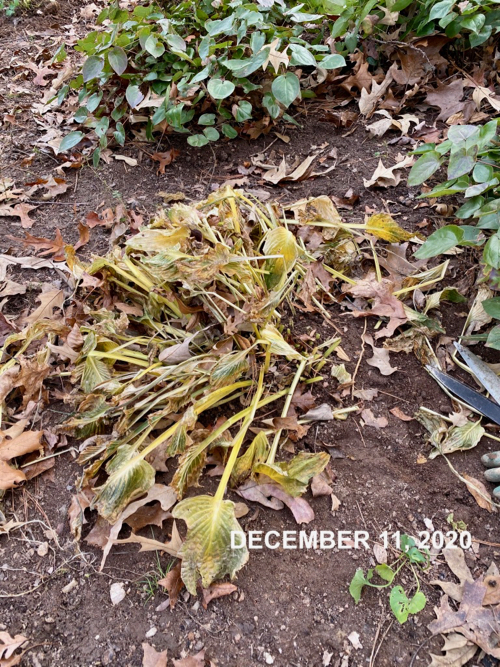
[359, 359]
[426, 641]
[380, 644]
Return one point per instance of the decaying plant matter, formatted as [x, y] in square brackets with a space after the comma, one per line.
[186, 318]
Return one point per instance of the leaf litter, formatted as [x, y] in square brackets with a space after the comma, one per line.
[181, 318]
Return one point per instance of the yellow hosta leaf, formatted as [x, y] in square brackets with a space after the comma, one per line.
[279, 241]
[156, 240]
[294, 476]
[278, 344]
[255, 454]
[207, 551]
[129, 477]
[385, 227]
[189, 468]
[229, 368]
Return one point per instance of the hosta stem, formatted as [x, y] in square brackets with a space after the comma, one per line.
[286, 407]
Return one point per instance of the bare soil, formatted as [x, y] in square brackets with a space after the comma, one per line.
[291, 605]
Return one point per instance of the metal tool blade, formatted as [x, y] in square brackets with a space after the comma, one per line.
[473, 398]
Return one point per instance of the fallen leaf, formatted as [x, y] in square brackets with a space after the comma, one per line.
[354, 639]
[8, 645]
[11, 288]
[388, 177]
[48, 302]
[131, 161]
[335, 503]
[384, 302]
[165, 158]
[34, 263]
[152, 658]
[368, 100]
[455, 559]
[365, 394]
[397, 412]
[197, 660]
[84, 235]
[322, 413]
[447, 97]
[380, 553]
[216, 591]
[278, 174]
[370, 420]
[12, 446]
[480, 493]
[19, 211]
[320, 486]
[76, 513]
[380, 359]
[458, 651]
[55, 247]
[273, 496]
[173, 583]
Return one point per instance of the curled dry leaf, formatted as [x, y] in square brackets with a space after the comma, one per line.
[19, 211]
[320, 486]
[12, 445]
[380, 359]
[384, 302]
[479, 492]
[117, 592]
[217, 591]
[455, 559]
[387, 177]
[173, 583]
[197, 660]
[397, 412]
[273, 496]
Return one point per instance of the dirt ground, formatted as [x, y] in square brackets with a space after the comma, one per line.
[292, 607]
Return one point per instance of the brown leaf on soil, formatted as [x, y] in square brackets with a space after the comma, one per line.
[12, 445]
[291, 424]
[165, 159]
[273, 496]
[8, 645]
[149, 515]
[387, 177]
[368, 100]
[361, 78]
[84, 235]
[478, 624]
[19, 211]
[320, 486]
[93, 219]
[304, 400]
[48, 301]
[30, 375]
[41, 73]
[38, 468]
[76, 513]
[173, 583]
[165, 495]
[300, 173]
[455, 559]
[380, 359]
[99, 535]
[55, 247]
[197, 660]
[457, 652]
[216, 591]
[447, 97]
[370, 420]
[492, 583]
[480, 493]
[384, 302]
[152, 658]
[397, 412]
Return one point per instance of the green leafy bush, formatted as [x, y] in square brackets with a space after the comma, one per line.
[198, 69]
[475, 19]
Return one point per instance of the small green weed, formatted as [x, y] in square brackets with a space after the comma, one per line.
[402, 606]
[149, 583]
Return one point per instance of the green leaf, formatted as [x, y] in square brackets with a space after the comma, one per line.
[243, 111]
[493, 340]
[229, 131]
[492, 307]
[119, 134]
[384, 572]
[417, 603]
[153, 46]
[211, 133]
[220, 89]
[358, 582]
[206, 119]
[129, 477]
[95, 372]
[399, 604]
[176, 42]
[69, 141]
[294, 476]
[92, 67]
[198, 140]
[440, 241]
[117, 58]
[134, 96]
[332, 61]
[491, 253]
[207, 551]
[302, 56]
[255, 454]
[461, 163]
[271, 105]
[286, 88]
[440, 9]
[424, 167]
[482, 173]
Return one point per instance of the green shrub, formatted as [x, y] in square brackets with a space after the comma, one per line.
[198, 69]
[475, 19]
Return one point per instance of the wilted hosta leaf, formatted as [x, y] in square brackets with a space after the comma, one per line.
[341, 374]
[179, 442]
[229, 368]
[189, 468]
[207, 550]
[256, 453]
[385, 227]
[95, 371]
[294, 475]
[278, 344]
[279, 241]
[156, 240]
[447, 440]
[129, 477]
